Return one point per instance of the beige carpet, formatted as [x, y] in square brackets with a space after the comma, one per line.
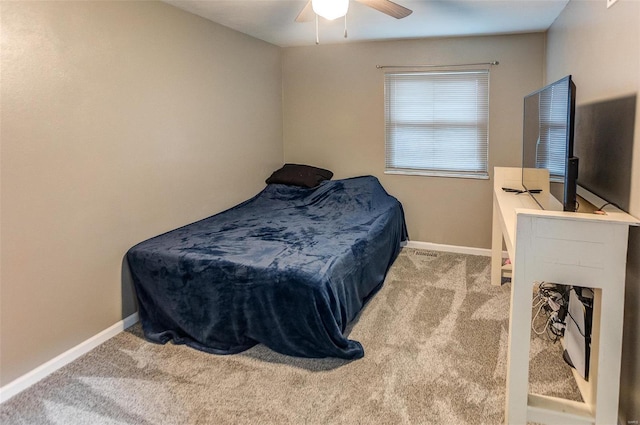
[435, 352]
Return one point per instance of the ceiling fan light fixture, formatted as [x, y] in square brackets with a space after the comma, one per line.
[330, 9]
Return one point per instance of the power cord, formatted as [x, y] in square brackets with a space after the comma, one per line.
[601, 211]
[551, 301]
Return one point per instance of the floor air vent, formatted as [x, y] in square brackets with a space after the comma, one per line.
[426, 253]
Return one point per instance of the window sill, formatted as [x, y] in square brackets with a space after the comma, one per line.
[478, 176]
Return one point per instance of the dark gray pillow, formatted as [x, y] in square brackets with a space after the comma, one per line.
[300, 175]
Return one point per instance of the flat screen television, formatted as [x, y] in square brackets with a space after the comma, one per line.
[604, 144]
[547, 142]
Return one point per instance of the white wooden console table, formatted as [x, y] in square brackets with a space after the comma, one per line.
[582, 249]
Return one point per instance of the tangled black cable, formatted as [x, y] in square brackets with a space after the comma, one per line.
[551, 302]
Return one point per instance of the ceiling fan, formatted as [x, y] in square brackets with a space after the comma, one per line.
[332, 9]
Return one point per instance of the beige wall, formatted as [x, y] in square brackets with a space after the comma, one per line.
[600, 47]
[334, 118]
[120, 120]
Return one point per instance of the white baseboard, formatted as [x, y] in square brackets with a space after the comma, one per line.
[451, 248]
[46, 369]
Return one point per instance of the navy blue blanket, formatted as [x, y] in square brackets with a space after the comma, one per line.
[289, 268]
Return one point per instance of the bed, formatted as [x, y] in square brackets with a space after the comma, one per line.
[289, 268]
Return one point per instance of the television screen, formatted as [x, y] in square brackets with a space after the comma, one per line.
[548, 140]
[604, 143]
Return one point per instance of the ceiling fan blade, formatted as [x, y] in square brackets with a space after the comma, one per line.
[388, 7]
[306, 14]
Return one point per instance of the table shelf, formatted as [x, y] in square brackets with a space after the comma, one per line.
[581, 249]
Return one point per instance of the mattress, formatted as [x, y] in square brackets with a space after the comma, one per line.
[289, 268]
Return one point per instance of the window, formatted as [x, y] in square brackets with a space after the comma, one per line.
[436, 123]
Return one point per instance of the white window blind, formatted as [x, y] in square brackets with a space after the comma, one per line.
[552, 149]
[436, 123]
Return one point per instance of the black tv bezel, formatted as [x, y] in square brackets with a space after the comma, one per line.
[604, 132]
[571, 163]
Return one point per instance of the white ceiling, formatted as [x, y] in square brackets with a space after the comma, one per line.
[273, 20]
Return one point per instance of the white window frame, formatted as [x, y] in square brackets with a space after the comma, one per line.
[434, 117]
